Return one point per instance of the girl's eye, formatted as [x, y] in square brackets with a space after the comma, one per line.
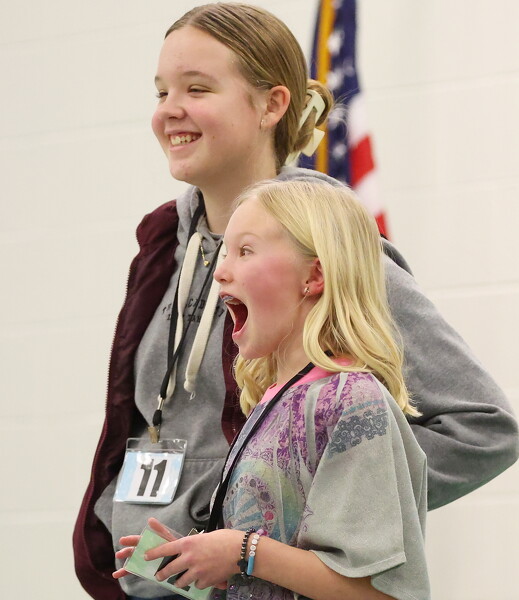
[244, 250]
[194, 89]
[160, 95]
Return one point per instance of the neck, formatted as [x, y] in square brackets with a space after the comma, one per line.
[219, 196]
[288, 366]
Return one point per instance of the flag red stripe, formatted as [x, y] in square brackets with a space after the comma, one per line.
[382, 225]
[361, 160]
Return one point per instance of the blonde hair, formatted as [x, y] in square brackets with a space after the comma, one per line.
[352, 317]
[268, 55]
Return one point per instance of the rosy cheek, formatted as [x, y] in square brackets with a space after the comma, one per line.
[157, 125]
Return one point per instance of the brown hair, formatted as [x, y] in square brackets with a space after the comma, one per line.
[268, 55]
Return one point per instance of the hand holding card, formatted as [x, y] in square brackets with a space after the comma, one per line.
[147, 569]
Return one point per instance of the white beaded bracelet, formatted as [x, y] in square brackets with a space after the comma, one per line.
[252, 552]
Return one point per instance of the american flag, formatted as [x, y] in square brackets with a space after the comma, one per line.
[345, 153]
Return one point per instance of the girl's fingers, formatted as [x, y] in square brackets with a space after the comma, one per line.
[119, 573]
[161, 529]
[129, 540]
[124, 552]
[178, 567]
[185, 580]
[167, 549]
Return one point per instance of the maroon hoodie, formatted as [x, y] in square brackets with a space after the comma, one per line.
[150, 274]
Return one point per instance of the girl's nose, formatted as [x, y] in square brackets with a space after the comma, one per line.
[218, 274]
[171, 107]
[221, 273]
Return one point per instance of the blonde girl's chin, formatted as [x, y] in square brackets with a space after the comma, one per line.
[248, 354]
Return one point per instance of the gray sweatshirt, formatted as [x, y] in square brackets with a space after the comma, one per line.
[467, 428]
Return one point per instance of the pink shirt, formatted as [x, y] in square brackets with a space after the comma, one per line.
[312, 375]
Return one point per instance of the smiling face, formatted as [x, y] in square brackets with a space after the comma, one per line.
[263, 279]
[208, 117]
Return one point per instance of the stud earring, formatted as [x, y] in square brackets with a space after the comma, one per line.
[306, 290]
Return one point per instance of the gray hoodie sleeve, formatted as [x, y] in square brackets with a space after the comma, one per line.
[467, 427]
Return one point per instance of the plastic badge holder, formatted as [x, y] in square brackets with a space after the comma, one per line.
[148, 568]
[150, 472]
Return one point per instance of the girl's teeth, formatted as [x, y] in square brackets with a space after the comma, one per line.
[177, 140]
[231, 300]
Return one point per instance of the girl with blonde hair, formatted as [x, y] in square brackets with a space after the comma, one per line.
[326, 468]
[351, 316]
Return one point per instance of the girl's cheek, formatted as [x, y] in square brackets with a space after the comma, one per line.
[157, 125]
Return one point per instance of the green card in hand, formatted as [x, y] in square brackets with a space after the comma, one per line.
[137, 565]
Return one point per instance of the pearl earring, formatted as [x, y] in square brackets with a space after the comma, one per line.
[306, 290]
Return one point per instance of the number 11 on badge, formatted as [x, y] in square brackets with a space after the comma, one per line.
[150, 472]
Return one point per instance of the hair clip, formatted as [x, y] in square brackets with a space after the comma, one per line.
[315, 103]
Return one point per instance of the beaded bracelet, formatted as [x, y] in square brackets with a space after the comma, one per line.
[252, 551]
[242, 563]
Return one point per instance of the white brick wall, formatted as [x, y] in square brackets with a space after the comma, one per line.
[79, 167]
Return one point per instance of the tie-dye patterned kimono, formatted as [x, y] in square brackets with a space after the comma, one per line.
[335, 469]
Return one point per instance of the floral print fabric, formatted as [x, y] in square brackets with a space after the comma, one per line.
[329, 453]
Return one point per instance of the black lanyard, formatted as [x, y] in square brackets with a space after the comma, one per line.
[173, 355]
[215, 518]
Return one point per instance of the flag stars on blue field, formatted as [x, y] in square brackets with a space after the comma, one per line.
[334, 80]
[335, 42]
[339, 151]
[348, 68]
[336, 77]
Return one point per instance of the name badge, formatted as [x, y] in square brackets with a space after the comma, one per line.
[150, 472]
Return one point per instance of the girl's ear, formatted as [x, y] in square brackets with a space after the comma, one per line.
[278, 99]
[315, 282]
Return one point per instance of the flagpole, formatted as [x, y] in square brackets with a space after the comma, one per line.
[326, 24]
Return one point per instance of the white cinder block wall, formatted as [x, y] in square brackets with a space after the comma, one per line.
[79, 167]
